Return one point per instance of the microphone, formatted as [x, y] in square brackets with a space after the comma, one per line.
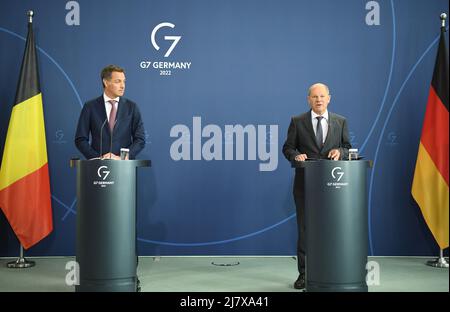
[112, 132]
[101, 137]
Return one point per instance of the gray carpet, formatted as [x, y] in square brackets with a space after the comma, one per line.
[199, 274]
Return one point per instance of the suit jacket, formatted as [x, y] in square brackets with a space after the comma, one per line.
[301, 139]
[128, 131]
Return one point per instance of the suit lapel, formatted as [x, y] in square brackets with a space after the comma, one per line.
[307, 122]
[121, 111]
[101, 108]
[331, 129]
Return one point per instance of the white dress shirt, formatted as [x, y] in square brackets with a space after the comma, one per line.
[108, 105]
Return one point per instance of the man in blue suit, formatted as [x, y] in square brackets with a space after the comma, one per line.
[110, 122]
[316, 134]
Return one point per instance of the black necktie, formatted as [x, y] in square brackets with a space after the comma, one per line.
[319, 132]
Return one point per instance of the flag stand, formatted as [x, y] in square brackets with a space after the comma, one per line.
[439, 262]
[21, 262]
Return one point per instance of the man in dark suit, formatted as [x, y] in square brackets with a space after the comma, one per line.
[110, 122]
[316, 134]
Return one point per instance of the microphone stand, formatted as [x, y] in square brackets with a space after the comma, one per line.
[112, 132]
[101, 137]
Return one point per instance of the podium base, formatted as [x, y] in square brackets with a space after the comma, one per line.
[109, 285]
[327, 287]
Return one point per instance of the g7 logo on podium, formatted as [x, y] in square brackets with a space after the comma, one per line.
[101, 172]
[175, 39]
[337, 171]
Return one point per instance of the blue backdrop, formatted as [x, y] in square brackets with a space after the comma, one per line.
[229, 64]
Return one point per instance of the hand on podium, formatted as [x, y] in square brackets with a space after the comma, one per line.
[334, 154]
[301, 157]
[110, 156]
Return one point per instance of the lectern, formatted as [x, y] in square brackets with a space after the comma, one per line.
[106, 224]
[336, 224]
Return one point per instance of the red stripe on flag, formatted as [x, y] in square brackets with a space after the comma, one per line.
[27, 206]
[435, 133]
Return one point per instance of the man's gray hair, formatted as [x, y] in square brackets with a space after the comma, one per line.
[317, 85]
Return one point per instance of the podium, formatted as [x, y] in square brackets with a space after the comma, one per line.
[106, 224]
[336, 224]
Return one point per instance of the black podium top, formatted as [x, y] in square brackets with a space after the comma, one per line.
[75, 162]
[308, 162]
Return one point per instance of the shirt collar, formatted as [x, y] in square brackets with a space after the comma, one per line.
[107, 98]
[324, 115]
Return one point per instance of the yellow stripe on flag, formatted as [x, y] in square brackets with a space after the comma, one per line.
[431, 193]
[25, 147]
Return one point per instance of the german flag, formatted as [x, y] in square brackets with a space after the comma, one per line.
[430, 183]
[24, 178]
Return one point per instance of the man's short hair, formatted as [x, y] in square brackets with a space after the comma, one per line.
[108, 70]
[316, 85]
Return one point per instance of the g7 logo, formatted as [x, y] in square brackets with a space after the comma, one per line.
[100, 172]
[392, 138]
[59, 135]
[175, 39]
[339, 173]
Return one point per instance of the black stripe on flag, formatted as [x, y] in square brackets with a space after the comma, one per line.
[440, 75]
[28, 85]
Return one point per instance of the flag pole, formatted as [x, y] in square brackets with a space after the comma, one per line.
[30, 16]
[440, 262]
[21, 262]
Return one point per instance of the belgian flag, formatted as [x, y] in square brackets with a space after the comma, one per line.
[24, 178]
[430, 184]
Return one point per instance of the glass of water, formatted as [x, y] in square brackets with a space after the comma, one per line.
[124, 153]
[353, 154]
